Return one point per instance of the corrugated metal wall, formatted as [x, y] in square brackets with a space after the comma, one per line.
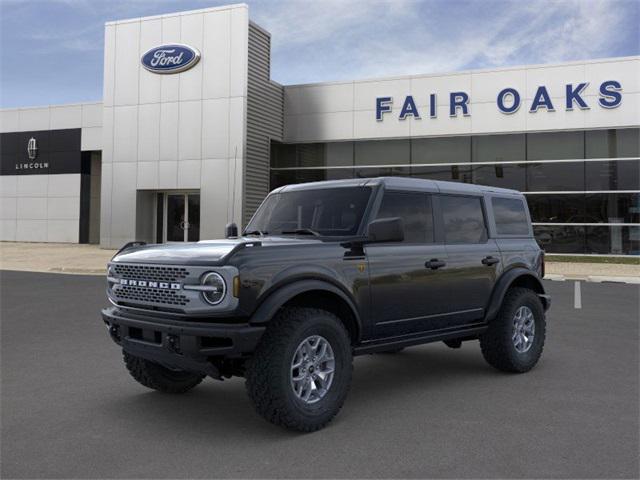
[265, 120]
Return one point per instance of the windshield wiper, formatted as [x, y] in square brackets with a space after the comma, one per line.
[302, 231]
[255, 232]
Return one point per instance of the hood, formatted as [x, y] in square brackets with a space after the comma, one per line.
[206, 252]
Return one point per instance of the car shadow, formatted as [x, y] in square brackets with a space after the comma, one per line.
[223, 408]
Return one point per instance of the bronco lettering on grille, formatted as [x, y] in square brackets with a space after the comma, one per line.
[150, 284]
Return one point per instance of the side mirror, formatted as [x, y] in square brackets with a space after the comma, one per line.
[386, 230]
[231, 230]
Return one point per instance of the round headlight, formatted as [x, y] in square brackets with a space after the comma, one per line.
[216, 288]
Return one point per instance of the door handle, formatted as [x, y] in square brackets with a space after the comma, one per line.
[488, 261]
[434, 264]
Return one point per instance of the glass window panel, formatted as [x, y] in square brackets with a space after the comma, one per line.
[381, 172]
[451, 173]
[613, 208]
[504, 176]
[613, 240]
[560, 238]
[612, 143]
[555, 176]
[613, 175]
[338, 154]
[193, 234]
[382, 152]
[463, 219]
[328, 211]
[555, 145]
[311, 154]
[441, 150]
[287, 177]
[415, 211]
[510, 216]
[283, 155]
[499, 148]
[557, 208]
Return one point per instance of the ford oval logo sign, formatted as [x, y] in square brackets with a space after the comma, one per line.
[171, 58]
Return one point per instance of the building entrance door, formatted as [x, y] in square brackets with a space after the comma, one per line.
[182, 217]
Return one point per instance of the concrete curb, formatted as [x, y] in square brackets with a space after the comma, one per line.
[554, 277]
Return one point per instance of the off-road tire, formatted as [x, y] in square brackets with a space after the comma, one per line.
[268, 381]
[157, 377]
[496, 343]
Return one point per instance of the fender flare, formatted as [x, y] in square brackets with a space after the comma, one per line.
[281, 295]
[504, 282]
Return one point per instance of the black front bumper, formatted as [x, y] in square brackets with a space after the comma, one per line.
[181, 344]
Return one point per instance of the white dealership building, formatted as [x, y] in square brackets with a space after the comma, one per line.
[192, 133]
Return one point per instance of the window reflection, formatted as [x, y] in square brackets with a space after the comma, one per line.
[613, 175]
[504, 176]
[612, 143]
[557, 208]
[555, 176]
[441, 150]
[382, 152]
[613, 207]
[450, 173]
[560, 238]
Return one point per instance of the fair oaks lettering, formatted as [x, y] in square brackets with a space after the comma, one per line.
[508, 101]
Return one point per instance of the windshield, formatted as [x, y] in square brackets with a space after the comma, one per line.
[322, 212]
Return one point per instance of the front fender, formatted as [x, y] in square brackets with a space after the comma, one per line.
[507, 279]
[281, 295]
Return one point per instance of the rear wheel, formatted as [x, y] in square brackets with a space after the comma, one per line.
[299, 375]
[515, 338]
[157, 377]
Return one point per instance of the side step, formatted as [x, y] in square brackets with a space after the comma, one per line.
[390, 343]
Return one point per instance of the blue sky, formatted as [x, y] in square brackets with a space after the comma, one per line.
[51, 51]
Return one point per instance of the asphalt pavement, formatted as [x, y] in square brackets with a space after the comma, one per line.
[70, 410]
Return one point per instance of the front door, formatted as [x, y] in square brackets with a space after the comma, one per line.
[182, 217]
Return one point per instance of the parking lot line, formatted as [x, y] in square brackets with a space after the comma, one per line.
[577, 295]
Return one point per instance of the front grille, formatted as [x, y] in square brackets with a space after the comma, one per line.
[151, 272]
[149, 295]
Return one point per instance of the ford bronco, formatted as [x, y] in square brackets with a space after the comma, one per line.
[326, 271]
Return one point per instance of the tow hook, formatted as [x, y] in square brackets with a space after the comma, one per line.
[114, 331]
[173, 343]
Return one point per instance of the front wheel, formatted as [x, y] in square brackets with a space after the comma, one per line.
[515, 338]
[299, 375]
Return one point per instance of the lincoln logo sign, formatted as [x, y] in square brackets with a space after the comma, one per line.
[508, 101]
[172, 58]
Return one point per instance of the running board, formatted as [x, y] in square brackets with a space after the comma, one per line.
[390, 343]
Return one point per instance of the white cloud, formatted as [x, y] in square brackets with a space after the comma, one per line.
[326, 40]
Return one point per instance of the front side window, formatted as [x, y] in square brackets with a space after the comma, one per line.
[463, 219]
[415, 211]
[329, 212]
[510, 216]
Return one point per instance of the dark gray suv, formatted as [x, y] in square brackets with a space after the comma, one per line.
[325, 271]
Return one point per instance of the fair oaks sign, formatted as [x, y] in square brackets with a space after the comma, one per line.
[508, 100]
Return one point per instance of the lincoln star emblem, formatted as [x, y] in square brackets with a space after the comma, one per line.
[32, 148]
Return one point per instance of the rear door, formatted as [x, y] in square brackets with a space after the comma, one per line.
[474, 261]
[407, 294]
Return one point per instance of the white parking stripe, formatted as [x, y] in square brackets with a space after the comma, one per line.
[577, 298]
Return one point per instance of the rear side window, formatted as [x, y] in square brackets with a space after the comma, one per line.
[463, 219]
[510, 215]
[415, 211]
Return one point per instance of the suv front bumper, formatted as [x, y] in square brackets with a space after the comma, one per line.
[179, 344]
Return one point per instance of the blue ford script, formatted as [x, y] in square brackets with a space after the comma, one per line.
[172, 58]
